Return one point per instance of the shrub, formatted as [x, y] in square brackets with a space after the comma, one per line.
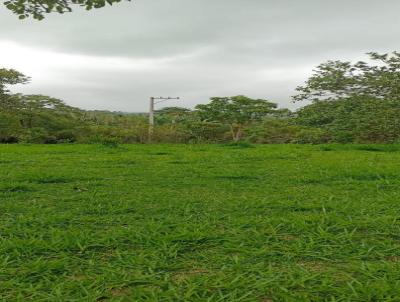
[311, 136]
[66, 136]
[39, 135]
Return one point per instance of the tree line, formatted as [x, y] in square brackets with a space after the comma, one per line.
[346, 103]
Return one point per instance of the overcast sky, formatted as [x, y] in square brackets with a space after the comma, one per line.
[116, 57]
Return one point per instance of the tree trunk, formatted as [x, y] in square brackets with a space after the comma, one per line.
[236, 133]
[233, 133]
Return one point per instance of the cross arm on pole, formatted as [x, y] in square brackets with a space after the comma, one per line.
[163, 99]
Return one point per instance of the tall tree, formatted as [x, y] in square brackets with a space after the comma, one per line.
[237, 112]
[38, 8]
[379, 78]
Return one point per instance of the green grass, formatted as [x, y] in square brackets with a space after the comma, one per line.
[199, 223]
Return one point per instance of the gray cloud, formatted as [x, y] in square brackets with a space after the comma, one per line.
[118, 56]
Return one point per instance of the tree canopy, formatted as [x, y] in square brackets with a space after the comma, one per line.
[378, 78]
[39, 8]
[11, 77]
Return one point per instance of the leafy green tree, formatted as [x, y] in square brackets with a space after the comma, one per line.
[237, 112]
[10, 122]
[42, 107]
[10, 77]
[38, 8]
[380, 78]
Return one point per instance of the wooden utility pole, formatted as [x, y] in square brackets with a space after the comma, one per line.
[151, 112]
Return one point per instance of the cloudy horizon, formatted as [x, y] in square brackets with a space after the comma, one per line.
[116, 57]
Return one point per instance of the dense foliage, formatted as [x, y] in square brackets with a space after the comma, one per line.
[349, 103]
[354, 119]
[336, 80]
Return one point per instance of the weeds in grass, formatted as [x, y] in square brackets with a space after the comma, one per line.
[240, 145]
[15, 188]
[205, 223]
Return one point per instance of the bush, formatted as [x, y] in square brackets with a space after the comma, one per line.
[201, 131]
[66, 136]
[311, 136]
[39, 135]
[9, 140]
[103, 140]
[282, 132]
[10, 129]
[271, 132]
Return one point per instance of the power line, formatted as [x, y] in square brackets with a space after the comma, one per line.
[151, 111]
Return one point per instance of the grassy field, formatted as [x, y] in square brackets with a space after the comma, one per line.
[199, 223]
